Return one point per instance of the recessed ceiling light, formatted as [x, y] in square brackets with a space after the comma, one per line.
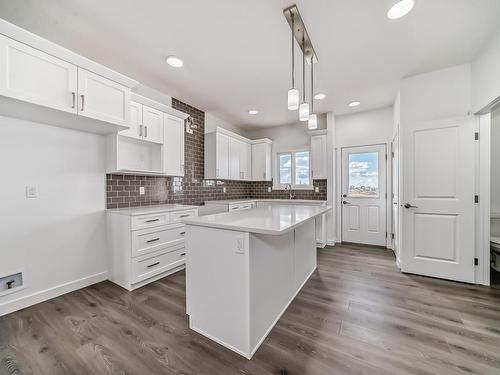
[174, 61]
[354, 103]
[253, 112]
[320, 96]
[400, 8]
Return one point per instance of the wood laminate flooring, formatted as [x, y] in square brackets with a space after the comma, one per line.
[356, 315]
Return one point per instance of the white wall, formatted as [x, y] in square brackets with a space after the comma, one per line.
[486, 75]
[212, 122]
[364, 128]
[58, 238]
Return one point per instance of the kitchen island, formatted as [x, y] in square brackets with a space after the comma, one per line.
[243, 269]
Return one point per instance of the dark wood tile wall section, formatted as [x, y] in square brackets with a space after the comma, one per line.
[123, 190]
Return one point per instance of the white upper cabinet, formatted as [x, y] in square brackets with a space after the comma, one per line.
[235, 147]
[152, 120]
[319, 159]
[102, 99]
[245, 161]
[222, 156]
[33, 76]
[262, 160]
[135, 122]
[174, 145]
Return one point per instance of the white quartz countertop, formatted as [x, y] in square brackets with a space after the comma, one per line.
[292, 201]
[274, 219]
[132, 211]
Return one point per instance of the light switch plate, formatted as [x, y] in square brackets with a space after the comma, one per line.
[316, 189]
[31, 191]
[240, 246]
[224, 189]
[142, 191]
[269, 189]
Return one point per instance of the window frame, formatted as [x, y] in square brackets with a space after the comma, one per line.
[279, 186]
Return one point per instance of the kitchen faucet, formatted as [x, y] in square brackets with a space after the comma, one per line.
[289, 187]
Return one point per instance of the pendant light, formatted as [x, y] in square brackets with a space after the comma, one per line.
[293, 93]
[304, 106]
[312, 122]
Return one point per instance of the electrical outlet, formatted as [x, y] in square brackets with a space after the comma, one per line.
[240, 246]
[31, 191]
[142, 190]
[224, 189]
[316, 189]
[269, 189]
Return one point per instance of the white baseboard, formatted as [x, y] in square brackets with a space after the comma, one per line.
[44, 295]
[331, 242]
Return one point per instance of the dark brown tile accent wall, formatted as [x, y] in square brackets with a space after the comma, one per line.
[123, 190]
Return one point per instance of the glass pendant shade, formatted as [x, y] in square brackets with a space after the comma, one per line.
[312, 123]
[293, 99]
[304, 112]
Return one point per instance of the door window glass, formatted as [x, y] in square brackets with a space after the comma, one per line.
[363, 175]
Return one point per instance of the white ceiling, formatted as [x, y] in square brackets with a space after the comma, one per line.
[237, 53]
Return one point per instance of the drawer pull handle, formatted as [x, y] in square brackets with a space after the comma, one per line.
[153, 240]
[183, 254]
[182, 233]
[185, 215]
[152, 220]
[154, 264]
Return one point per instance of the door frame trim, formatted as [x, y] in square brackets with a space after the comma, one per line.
[338, 188]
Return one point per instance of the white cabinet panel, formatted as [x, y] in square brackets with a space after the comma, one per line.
[319, 157]
[234, 159]
[33, 76]
[222, 156]
[135, 130]
[102, 99]
[174, 145]
[245, 161]
[152, 120]
[261, 162]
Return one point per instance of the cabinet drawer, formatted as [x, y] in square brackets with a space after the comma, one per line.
[152, 239]
[149, 221]
[176, 217]
[153, 264]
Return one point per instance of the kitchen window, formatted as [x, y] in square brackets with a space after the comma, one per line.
[294, 168]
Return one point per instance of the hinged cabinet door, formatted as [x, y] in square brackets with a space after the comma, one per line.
[153, 124]
[222, 156]
[136, 128]
[245, 161]
[174, 146]
[102, 99]
[33, 76]
[234, 159]
[318, 157]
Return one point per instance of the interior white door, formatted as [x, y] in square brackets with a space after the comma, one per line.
[33, 76]
[395, 195]
[222, 156]
[438, 211]
[135, 129]
[364, 195]
[174, 146]
[152, 124]
[103, 99]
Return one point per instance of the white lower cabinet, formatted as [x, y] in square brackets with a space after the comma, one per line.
[146, 247]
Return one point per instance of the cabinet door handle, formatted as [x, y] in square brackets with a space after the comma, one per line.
[73, 94]
[185, 215]
[140, 130]
[152, 220]
[264, 174]
[83, 102]
[153, 240]
[145, 132]
[183, 254]
[154, 264]
[182, 233]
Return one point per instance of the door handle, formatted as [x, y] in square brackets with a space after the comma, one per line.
[83, 102]
[344, 195]
[145, 132]
[407, 205]
[74, 99]
[345, 202]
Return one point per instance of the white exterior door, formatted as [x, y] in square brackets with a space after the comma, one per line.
[33, 76]
[395, 195]
[135, 130]
[364, 195]
[174, 146]
[438, 200]
[103, 99]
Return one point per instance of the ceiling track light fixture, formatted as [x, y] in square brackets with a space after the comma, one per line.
[299, 33]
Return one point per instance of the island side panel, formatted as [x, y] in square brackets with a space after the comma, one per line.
[305, 253]
[272, 282]
[217, 285]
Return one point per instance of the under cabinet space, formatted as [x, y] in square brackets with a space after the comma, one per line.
[134, 155]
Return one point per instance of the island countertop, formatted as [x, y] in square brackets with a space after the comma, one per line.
[274, 219]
